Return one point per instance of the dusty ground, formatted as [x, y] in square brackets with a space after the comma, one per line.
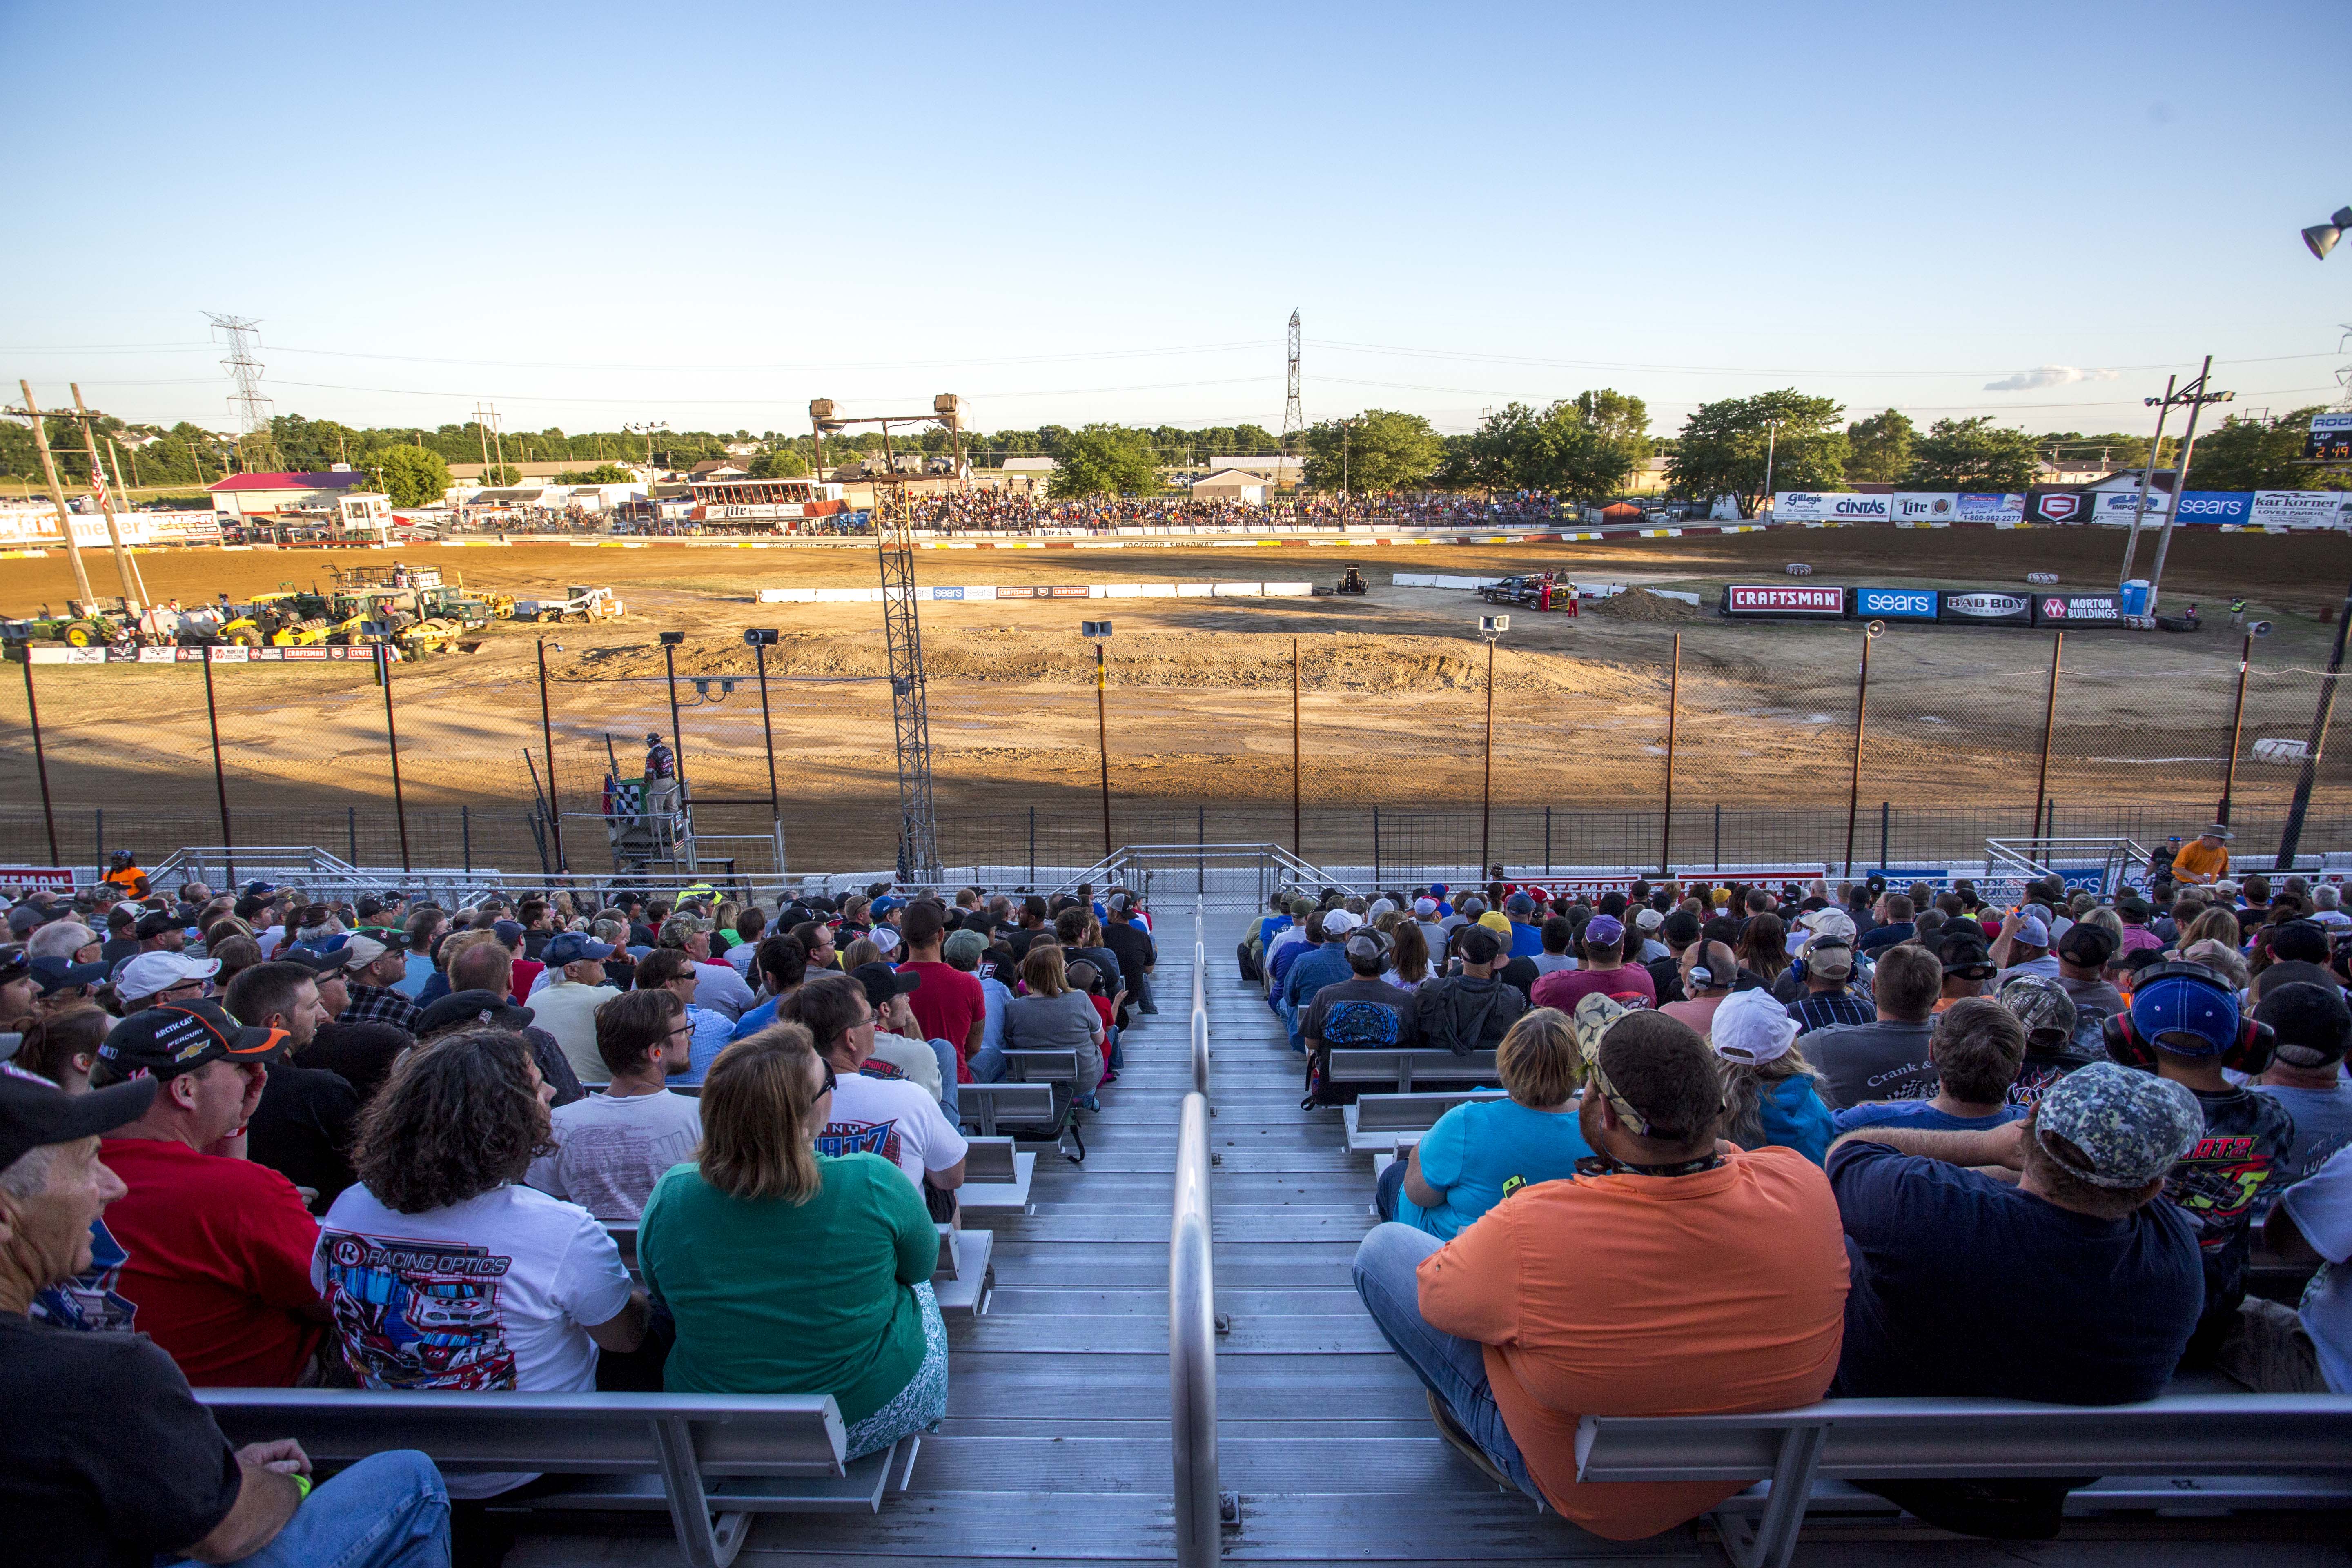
[1392, 703]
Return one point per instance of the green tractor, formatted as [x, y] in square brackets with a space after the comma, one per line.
[88, 625]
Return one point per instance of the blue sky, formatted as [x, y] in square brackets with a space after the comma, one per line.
[708, 213]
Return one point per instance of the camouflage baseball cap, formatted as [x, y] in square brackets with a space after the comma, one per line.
[2040, 1005]
[2129, 1126]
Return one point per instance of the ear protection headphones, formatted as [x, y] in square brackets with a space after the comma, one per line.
[2251, 1052]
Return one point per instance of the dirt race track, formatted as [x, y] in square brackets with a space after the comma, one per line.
[1392, 700]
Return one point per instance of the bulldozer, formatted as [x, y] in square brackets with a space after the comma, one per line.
[453, 603]
[583, 603]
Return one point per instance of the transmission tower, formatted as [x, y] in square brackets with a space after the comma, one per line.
[1293, 422]
[248, 403]
[902, 630]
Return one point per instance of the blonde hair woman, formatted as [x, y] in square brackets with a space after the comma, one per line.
[1482, 1152]
[791, 1271]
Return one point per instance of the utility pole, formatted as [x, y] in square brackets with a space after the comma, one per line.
[252, 409]
[131, 589]
[1771, 445]
[2197, 396]
[1293, 422]
[57, 492]
[2146, 472]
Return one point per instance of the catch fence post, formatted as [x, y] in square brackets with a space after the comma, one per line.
[1886, 817]
[392, 748]
[1719, 835]
[1376, 845]
[1861, 724]
[1487, 793]
[466, 836]
[352, 831]
[547, 737]
[1673, 713]
[1297, 839]
[33, 716]
[2050, 725]
[1546, 841]
[98, 825]
[1033, 846]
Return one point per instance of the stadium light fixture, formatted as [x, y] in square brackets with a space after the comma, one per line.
[2322, 236]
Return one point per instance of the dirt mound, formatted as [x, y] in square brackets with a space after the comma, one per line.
[1641, 604]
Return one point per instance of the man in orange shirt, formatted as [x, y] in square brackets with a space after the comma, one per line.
[2207, 861]
[1684, 1276]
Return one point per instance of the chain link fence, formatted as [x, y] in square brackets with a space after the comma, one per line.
[1346, 749]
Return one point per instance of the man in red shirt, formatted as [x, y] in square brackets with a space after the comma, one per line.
[219, 1247]
[1604, 972]
[950, 1005]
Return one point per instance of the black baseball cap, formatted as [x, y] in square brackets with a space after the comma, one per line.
[2087, 944]
[181, 1036]
[35, 1112]
[319, 963]
[882, 981]
[1966, 955]
[54, 974]
[486, 1008]
[13, 965]
[154, 925]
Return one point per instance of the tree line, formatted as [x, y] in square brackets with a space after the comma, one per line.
[1586, 448]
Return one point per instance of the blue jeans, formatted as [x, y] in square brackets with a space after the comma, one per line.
[946, 1054]
[1387, 1189]
[988, 1064]
[1455, 1368]
[389, 1511]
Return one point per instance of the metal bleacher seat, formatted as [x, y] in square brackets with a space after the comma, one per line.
[1375, 1121]
[1022, 1105]
[2222, 1450]
[996, 1175]
[1403, 1069]
[711, 1460]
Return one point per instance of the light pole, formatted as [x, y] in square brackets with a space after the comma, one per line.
[2322, 236]
[1771, 442]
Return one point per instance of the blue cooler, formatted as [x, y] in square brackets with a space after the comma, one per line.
[2136, 596]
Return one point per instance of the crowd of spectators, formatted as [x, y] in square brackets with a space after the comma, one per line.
[1759, 1145]
[279, 1142]
[1003, 512]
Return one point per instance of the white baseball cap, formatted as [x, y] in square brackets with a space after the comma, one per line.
[1338, 922]
[148, 973]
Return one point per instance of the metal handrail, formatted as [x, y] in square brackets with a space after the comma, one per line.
[1192, 1304]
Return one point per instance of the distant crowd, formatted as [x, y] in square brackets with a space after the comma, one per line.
[1001, 512]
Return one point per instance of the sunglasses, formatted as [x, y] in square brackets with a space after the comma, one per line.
[829, 1079]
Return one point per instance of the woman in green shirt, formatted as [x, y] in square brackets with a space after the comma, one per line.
[790, 1271]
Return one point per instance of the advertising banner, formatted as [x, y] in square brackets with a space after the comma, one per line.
[2066, 611]
[1895, 603]
[1988, 608]
[2057, 506]
[2115, 507]
[1994, 509]
[33, 879]
[1811, 601]
[2330, 440]
[2215, 507]
[1929, 507]
[2298, 509]
[1837, 505]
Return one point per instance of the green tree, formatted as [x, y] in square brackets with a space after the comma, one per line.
[1585, 447]
[1105, 460]
[410, 476]
[2249, 453]
[1377, 450]
[1723, 447]
[497, 476]
[1972, 455]
[1878, 449]
[2114, 450]
[780, 463]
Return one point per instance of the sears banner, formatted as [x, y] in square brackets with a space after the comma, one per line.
[2215, 507]
[1988, 608]
[2299, 509]
[2330, 440]
[2115, 507]
[1813, 601]
[2065, 611]
[2057, 506]
[1895, 603]
[1803, 505]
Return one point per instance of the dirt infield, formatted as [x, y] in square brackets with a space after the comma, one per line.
[1392, 684]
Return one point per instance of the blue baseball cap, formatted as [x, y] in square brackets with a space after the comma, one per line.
[885, 904]
[570, 947]
[2187, 1015]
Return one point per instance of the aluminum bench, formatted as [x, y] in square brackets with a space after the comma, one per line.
[711, 1460]
[1374, 1120]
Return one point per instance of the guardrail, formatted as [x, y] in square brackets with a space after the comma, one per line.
[1192, 1303]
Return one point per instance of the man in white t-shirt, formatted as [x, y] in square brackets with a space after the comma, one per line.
[2326, 900]
[611, 1148]
[885, 1116]
[567, 1008]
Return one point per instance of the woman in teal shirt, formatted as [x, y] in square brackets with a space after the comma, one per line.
[1482, 1152]
[790, 1271]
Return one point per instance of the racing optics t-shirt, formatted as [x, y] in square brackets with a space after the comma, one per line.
[492, 1294]
[1361, 1015]
[893, 1118]
[2245, 1145]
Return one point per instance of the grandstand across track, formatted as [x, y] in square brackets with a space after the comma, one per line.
[1055, 1448]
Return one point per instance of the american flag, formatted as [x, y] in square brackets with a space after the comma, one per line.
[97, 484]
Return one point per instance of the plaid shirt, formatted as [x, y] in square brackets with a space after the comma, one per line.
[1827, 1009]
[382, 1004]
